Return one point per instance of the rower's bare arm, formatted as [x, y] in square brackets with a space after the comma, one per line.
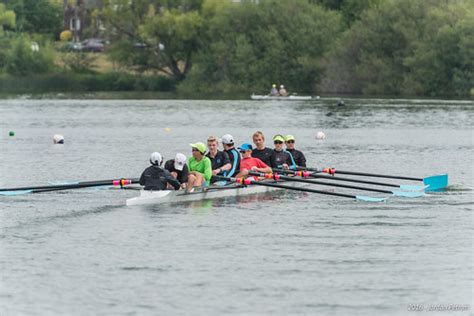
[227, 166]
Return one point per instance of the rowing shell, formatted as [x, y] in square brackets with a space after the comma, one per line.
[213, 192]
[289, 98]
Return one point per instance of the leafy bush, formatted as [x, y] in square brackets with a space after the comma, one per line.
[21, 60]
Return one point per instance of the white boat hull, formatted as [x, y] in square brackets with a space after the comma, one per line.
[214, 192]
[288, 98]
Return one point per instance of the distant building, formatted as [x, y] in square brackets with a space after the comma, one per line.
[77, 15]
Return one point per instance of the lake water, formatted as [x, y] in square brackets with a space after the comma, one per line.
[83, 252]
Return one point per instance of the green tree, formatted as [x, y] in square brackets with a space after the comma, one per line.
[154, 35]
[406, 47]
[7, 18]
[22, 60]
[250, 46]
[37, 16]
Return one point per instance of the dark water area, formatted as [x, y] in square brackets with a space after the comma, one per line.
[83, 252]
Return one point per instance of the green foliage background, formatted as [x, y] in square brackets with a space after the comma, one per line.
[372, 47]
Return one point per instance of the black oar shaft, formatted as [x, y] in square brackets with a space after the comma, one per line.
[326, 183]
[334, 178]
[274, 185]
[364, 174]
[375, 175]
[68, 186]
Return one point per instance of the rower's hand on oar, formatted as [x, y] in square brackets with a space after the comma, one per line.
[285, 166]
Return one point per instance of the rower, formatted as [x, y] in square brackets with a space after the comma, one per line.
[280, 158]
[283, 92]
[298, 156]
[178, 169]
[249, 163]
[261, 152]
[155, 178]
[219, 160]
[234, 155]
[274, 91]
[200, 167]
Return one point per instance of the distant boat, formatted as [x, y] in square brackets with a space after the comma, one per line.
[288, 98]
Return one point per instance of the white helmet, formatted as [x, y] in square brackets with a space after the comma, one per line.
[156, 159]
[282, 86]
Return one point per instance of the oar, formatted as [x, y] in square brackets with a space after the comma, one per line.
[277, 177]
[47, 188]
[252, 181]
[434, 183]
[306, 174]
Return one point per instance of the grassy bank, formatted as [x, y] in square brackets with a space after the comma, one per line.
[69, 82]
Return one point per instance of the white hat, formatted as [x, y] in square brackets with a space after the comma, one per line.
[156, 158]
[282, 86]
[227, 139]
[179, 161]
[58, 139]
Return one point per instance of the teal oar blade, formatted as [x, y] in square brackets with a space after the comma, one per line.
[10, 193]
[369, 198]
[436, 183]
[411, 187]
[409, 194]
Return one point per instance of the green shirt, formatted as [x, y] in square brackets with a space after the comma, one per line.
[204, 166]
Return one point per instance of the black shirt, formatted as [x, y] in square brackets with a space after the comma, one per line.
[263, 154]
[182, 174]
[221, 158]
[278, 158]
[298, 156]
[156, 178]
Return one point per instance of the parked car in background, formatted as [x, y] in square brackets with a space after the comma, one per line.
[95, 45]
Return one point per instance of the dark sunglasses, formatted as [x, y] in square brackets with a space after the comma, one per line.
[195, 149]
[278, 142]
[242, 151]
[290, 141]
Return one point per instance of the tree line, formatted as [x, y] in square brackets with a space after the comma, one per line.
[372, 47]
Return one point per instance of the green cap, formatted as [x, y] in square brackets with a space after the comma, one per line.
[199, 146]
[289, 137]
[279, 137]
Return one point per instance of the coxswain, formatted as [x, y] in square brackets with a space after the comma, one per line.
[178, 168]
[200, 167]
[234, 156]
[219, 159]
[261, 152]
[249, 163]
[156, 178]
[280, 158]
[298, 156]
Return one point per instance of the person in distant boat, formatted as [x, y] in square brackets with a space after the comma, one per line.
[283, 92]
[298, 156]
[261, 152]
[280, 158]
[200, 167]
[156, 178]
[178, 169]
[274, 91]
[249, 163]
[219, 159]
[234, 155]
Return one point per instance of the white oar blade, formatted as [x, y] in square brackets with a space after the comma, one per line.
[410, 187]
[19, 192]
[369, 198]
[409, 194]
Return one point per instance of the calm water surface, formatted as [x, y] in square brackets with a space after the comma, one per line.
[83, 252]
